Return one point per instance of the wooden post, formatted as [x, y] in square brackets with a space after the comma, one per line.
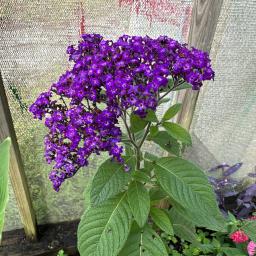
[205, 15]
[17, 175]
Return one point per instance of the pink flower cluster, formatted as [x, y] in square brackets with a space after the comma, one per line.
[239, 237]
[251, 248]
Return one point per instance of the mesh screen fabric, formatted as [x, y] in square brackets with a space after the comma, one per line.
[225, 118]
[34, 36]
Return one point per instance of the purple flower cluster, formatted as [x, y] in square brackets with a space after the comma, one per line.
[82, 109]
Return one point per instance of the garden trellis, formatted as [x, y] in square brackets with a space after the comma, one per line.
[26, 69]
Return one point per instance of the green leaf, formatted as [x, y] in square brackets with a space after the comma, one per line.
[137, 123]
[183, 86]
[183, 228]
[110, 180]
[249, 227]
[129, 150]
[172, 111]
[231, 217]
[232, 251]
[61, 253]
[4, 169]
[141, 176]
[156, 194]
[143, 242]
[165, 141]
[125, 139]
[170, 83]
[187, 184]
[212, 219]
[162, 220]
[104, 229]
[139, 135]
[163, 100]
[148, 166]
[178, 132]
[153, 130]
[150, 156]
[139, 202]
[151, 116]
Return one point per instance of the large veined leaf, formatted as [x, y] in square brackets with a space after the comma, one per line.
[249, 227]
[110, 180]
[161, 219]
[141, 176]
[178, 132]
[150, 156]
[168, 143]
[139, 202]
[156, 194]
[172, 111]
[186, 184]
[4, 169]
[143, 242]
[233, 251]
[212, 219]
[182, 227]
[104, 229]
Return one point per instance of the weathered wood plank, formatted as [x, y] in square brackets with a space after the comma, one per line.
[17, 175]
[205, 15]
[51, 238]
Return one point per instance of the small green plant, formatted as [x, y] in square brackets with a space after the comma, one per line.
[235, 242]
[61, 253]
[206, 243]
[4, 169]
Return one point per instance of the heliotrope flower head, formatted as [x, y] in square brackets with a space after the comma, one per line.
[82, 108]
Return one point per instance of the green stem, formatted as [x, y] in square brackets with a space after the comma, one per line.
[64, 102]
[137, 159]
[128, 131]
[132, 139]
[176, 84]
[145, 135]
[131, 135]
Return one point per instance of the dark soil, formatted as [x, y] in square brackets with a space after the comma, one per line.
[51, 239]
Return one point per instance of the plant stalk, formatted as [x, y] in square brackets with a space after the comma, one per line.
[137, 159]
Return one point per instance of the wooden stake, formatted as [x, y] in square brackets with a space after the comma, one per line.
[205, 15]
[17, 175]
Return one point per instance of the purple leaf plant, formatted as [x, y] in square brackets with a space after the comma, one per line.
[231, 193]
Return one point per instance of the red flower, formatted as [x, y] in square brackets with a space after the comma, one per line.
[239, 237]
